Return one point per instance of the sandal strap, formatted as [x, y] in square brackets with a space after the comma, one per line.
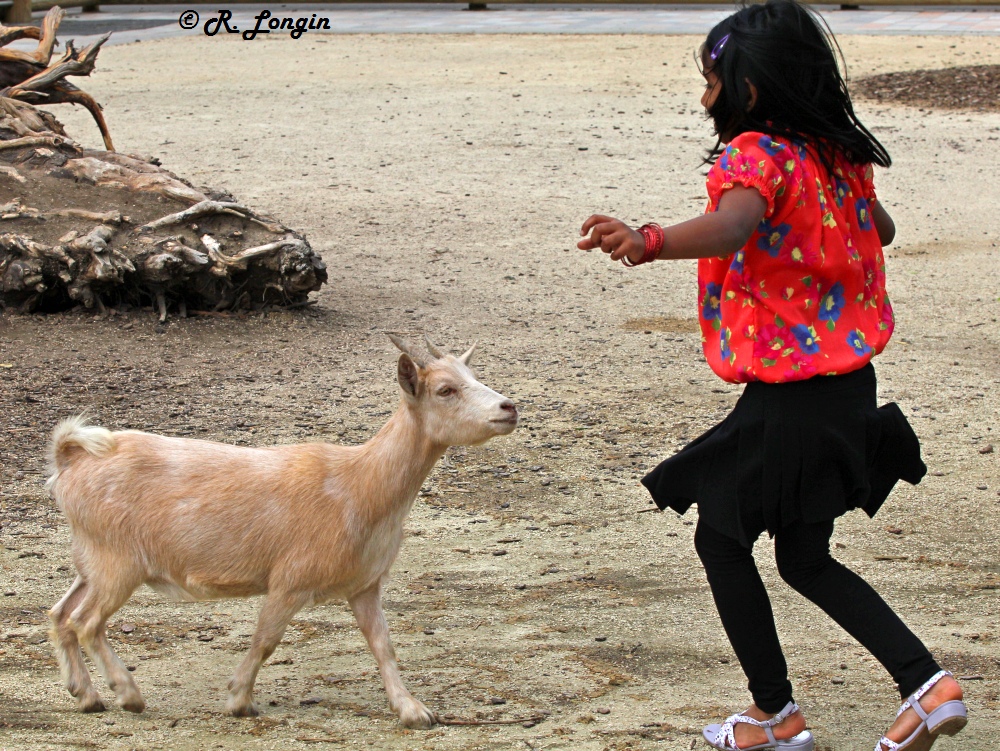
[788, 710]
[884, 744]
[914, 701]
[726, 736]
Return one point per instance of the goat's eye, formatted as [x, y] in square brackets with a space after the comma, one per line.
[445, 391]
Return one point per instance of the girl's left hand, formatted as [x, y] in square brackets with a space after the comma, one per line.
[612, 236]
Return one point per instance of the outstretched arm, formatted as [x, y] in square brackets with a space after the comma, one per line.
[719, 233]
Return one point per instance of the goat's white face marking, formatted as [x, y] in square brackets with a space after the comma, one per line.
[458, 409]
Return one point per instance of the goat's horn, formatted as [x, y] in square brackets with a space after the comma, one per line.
[432, 349]
[464, 359]
[407, 349]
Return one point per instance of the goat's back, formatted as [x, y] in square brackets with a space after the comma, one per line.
[207, 518]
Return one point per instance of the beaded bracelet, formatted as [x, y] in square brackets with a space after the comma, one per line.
[652, 234]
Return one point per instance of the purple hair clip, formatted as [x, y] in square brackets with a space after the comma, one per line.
[717, 49]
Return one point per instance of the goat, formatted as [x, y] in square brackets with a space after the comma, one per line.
[301, 524]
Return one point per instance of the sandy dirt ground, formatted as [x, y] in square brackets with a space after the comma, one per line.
[444, 179]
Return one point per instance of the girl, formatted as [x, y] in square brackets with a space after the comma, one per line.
[792, 297]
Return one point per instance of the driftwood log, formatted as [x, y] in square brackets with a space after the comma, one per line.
[102, 228]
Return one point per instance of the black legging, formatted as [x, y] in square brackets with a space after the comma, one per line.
[802, 552]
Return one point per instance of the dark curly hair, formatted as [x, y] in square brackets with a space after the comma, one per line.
[789, 55]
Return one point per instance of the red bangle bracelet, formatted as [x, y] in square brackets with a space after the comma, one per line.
[652, 234]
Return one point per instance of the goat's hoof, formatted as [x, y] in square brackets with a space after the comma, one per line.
[91, 703]
[136, 704]
[413, 714]
[242, 710]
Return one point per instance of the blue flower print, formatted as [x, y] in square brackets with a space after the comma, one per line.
[856, 340]
[736, 266]
[710, 310]
[843, 191]
[724, 338]
[831, 304]
[724, 159]
[771, 238]
[807, 339]
[864, 214]
[771, 146]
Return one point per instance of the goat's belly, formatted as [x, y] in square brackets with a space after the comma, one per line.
[193, 589]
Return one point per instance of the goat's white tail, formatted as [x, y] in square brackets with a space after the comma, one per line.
[75, 433]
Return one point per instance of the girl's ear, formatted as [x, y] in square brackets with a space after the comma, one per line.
[753, 95]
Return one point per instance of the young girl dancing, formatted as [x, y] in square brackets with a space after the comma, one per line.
[792, 300]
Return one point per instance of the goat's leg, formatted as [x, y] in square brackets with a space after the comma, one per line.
[101, 600]
[277, 612]
[75, 675]
[367, 607]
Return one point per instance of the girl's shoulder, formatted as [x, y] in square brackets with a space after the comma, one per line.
[769, 145]
[772, 165]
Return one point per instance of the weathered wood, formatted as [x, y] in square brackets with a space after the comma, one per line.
[46, 36]
[28, 76]
[89, 227]
[219, 254]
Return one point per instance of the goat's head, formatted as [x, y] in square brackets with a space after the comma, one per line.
[455, 408]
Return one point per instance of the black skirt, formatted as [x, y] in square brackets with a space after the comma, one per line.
[807, 450]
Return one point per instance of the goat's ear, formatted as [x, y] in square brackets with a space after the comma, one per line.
[465, 358]
[407, 374]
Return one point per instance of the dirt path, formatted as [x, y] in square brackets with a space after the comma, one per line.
[444, 180]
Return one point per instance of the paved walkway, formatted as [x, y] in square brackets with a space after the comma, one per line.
[141, 22]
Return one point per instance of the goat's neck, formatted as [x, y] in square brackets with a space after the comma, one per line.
[397, 460]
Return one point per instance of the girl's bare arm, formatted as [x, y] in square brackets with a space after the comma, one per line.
[884, 225]
[719, 233]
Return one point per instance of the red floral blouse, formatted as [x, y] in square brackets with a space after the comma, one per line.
[806, 295]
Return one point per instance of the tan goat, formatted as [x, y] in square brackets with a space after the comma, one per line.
[302, 524]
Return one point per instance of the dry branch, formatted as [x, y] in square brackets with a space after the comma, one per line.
[18, 143]
[206, 207]
[73, 63]
[29, 77]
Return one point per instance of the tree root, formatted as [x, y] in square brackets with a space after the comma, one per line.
[99, 171]
[12, 174]
[14, 210]
[17, 143]
[207, 207]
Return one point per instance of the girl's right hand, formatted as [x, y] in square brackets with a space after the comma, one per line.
[612, 236]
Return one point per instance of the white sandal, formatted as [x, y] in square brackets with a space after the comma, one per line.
[722, 736]
[946, 719]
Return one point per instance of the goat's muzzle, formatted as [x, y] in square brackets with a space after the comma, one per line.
[510, 416]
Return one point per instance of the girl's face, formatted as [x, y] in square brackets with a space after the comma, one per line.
[713, 86]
